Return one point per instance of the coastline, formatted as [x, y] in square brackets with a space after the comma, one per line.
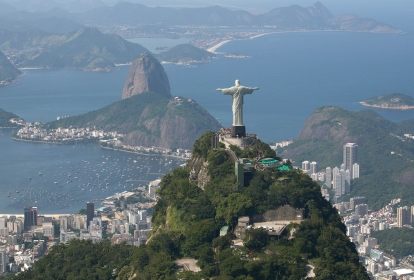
[54, 216]
[34, 141]
[138, 153]
[216, 46]
[405, 107]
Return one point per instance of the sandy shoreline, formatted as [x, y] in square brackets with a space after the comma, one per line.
[213, 48]
[386, 107]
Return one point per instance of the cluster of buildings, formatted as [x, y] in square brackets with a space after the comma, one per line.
[361, 223]
[32, 132]
[27, 237]
[336, 179]
[116, 144]
[24, 239]
[281, 144]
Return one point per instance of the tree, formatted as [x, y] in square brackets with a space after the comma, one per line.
[233, 206]
[255, 239]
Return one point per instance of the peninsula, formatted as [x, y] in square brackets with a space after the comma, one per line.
[397, 101]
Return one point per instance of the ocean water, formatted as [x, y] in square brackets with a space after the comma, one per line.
[152, 43]
[296, 73]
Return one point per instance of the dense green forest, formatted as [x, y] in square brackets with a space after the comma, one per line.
[8, 72]
[381, 173]
[184, 53]
[86, 48]
[398, 242]
[5, 119]
[391, 100]
[187, 220]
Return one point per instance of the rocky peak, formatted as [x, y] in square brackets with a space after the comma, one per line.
[146, 74]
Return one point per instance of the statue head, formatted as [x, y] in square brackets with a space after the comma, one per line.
[237, 83]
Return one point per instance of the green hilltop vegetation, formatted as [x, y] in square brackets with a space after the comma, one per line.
[398, 242]
[187, 221]
[184, 53]
[394, 100]
[8, 72]
[383, 176]
[86, 49]
[5, 119]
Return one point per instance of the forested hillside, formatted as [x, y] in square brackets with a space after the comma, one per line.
[185, 53]
[8, 72]
[186, 224]
[86, 48]
[5, 119]
[383, 176]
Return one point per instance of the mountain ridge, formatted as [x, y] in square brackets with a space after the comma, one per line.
[383, 175]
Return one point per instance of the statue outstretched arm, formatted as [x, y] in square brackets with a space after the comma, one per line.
[227, 91]
[249, 90]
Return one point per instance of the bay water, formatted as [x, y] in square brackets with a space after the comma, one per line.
[296, 73]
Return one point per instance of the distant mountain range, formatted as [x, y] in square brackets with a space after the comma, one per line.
[8, 73]
[385, 156]
[86, 49]
[316, 17]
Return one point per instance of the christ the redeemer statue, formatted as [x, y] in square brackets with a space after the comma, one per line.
[238, 92]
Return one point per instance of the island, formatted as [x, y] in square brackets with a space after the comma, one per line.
[397, 101]
[185, 54]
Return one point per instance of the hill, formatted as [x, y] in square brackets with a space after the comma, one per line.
[383, 176]
[390, 101]
[5, 119]
[146, 74]
[86, 49]
[185, 53]
[149, 119]
[187, 220]
[398, 242]
[8, 73]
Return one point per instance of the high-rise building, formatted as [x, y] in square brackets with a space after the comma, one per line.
[403, 216]
[355, 171]
[347, 176]
[90, 208]
[305, 165]
[338, 184]
[328, 177]
[356, 201]
[3, 222]
[30, 217]
[412, 215]
[314, 167]
[361, 209]
[335, 172]
[3, 262]
[350, 156]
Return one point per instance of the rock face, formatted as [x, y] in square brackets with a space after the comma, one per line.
[146, 74]
[171, 130]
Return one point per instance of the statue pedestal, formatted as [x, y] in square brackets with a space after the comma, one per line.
[238, 131]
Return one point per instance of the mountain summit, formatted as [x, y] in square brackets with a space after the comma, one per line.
[146, 74]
